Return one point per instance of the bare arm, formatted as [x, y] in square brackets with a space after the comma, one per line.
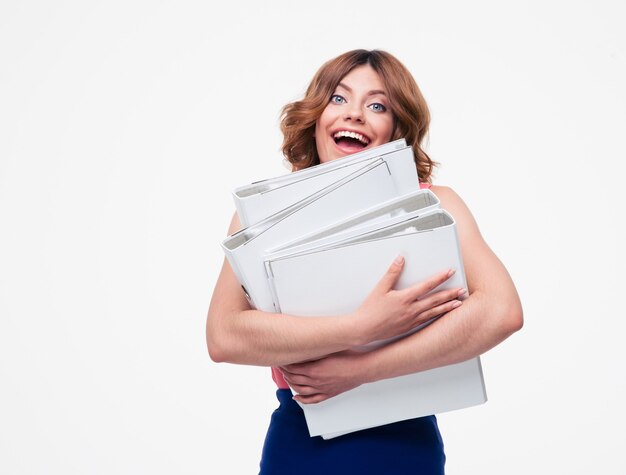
[238, 334]
[490, 314]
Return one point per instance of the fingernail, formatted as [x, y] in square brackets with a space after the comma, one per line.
[462, 292]
[399, 260]
[451, 272]
[457, 304]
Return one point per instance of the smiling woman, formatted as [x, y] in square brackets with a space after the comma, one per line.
[357, 90]
[359, 100]
[357, 116]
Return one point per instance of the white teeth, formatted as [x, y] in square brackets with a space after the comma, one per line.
[354, 135]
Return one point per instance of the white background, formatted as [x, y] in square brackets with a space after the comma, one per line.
[123, 128]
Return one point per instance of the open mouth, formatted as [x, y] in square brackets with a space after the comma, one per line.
[350, 141]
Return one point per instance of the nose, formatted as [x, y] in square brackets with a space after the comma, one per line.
[354, 113]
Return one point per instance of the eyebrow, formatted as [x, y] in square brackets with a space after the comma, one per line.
[370, 93]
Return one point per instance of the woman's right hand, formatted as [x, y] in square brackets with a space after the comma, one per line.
[387, 313]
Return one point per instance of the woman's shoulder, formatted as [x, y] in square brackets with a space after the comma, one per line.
[453, 203]
[235, 224]
[445, 194]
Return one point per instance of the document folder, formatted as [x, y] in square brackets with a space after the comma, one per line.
[394, 210]
[377, 181]
[336, 277]
[261, 199]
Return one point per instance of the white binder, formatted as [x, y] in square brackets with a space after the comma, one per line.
[261, 199]
[383, 216]
[336, 277]
[386, 177]
[403, 207]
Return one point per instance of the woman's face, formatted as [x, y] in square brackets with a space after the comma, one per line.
[357, 117]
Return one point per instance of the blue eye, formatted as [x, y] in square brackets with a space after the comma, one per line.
[337, 99]
[377, 107]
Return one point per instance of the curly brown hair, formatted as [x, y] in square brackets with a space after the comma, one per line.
[410, 112]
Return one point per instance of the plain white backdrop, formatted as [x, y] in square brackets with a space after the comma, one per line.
[123, 128]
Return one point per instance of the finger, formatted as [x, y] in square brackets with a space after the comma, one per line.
[296, 379]
[296, 368]
[289, 368]
[301, 366]
[304, 390]
[392, 275]
[421, 289]
[313, 399]
[436, 311]
[437, 298]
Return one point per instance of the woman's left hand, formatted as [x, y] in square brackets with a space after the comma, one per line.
[318, 380]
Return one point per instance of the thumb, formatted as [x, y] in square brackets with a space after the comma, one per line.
[392, 275]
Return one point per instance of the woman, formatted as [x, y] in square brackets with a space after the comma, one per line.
[363, 99]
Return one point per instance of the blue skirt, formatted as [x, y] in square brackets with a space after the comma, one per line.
[408, 447]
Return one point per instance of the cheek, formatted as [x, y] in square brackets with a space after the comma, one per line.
[323, 120]
[385, 128]
[316, 130]
[319, 142]
[321, 133]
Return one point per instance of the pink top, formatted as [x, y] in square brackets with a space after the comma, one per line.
[277, 376]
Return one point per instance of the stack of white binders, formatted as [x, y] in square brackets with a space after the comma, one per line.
[316, 242]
